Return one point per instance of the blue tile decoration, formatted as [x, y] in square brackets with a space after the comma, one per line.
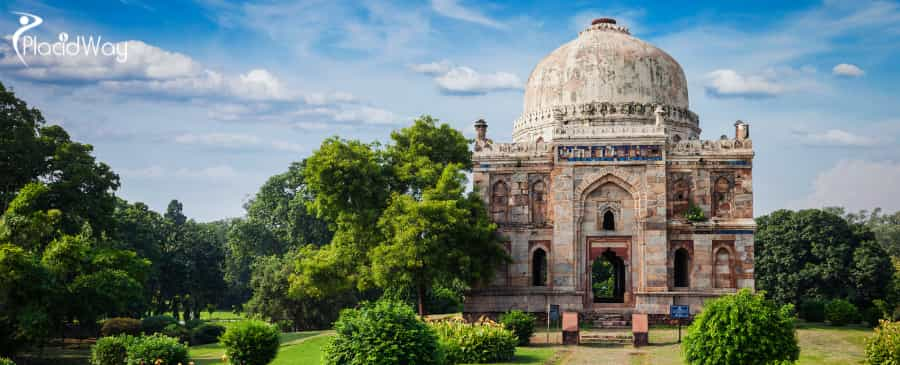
[733, 231]
[609, 153]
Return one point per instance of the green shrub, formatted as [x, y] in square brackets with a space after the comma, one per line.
[475, 343]
[839, 312]
[743, 328]
[381, 333]
[120, 325]
[178, 331]
[884, 346]
[5, 361]
[156, 324]
[194, 323]
[520, 323]
[251, 342]
[146, 350]
[111, 350]
[206, 333]
[812, 310]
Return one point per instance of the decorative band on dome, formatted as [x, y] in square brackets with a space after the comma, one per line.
[606, 24]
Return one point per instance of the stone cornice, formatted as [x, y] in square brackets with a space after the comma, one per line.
[711, 147]
[600, 113]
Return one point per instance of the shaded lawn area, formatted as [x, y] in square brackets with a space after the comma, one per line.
[221, 315]
[293, 344]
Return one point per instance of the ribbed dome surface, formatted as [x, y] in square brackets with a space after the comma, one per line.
[606, 64]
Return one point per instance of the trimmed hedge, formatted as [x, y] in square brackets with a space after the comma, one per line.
[251, 343]
[520, 323]
[148, 349]
[742, 328]
[464, 343]
[206, 333]
[839, 312]
[157, 324]
[812, 310]
[384, 333]
[119, 326]
[177, 331]
[884, 346]
[111, 350]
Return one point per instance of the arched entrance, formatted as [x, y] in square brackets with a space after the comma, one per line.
[608, 278]
[682, 268]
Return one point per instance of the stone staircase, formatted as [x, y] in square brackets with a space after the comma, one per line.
[612, 321]
[602, 338]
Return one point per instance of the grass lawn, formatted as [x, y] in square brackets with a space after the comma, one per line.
[819, 345]
[221, 315]
[293, 344]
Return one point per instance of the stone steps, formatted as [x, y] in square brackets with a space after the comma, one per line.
[618, 339]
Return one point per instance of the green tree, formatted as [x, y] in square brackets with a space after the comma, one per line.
[420, 153]
[444, 237]
[817, 253]
[277, 221]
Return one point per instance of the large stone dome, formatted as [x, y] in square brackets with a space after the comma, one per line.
[606, 63]
[603, 65]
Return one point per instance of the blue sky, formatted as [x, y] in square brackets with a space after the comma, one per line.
[217, 96]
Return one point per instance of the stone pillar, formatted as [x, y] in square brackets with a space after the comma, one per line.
[570, 330]
[640, 330]
[563, 252]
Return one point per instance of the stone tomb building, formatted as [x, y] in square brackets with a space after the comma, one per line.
[601, 192]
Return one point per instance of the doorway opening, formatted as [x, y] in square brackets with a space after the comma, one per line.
[608, 278]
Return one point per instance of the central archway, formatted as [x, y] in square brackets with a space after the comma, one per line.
[608, 278]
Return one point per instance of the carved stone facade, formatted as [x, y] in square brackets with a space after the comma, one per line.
[591, 196]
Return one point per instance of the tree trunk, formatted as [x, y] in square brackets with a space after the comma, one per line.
[421, 300]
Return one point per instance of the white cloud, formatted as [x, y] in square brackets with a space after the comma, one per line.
[432, 68]
[462, 80]
[227, 140]
[856, 185]
[729, 83]
[452, 9]
[849, 70]
[836, 138]
[156, 171]
[347, 114]
[288, 146]
[146, 172]
[214, 172]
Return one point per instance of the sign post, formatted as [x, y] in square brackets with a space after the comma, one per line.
[552, 315]
[679, 312]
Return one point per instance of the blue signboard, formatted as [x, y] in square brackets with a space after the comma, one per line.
[554, 312]
[679, 311]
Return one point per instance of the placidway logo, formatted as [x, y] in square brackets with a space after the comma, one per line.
[25, 44]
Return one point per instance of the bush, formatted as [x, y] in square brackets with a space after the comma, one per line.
[156, 324]
[812, 310]
[480, 343]
[385, 332]
[5, 361]
[111, 350]
[119, 326]
[520, 323]
[178, 331]
[840, 312]
[884, 346]
[148, 349]
[194, 323]
[206, 333]
[743, 328]
[251, 343]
